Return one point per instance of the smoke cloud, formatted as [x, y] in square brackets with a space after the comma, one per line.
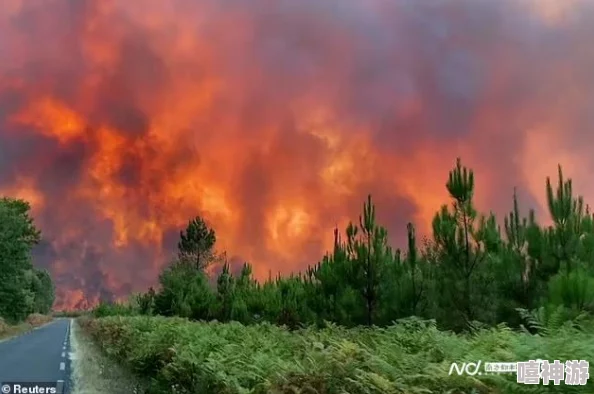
[120, 120]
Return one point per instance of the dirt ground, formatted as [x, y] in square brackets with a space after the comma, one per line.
[93, 372]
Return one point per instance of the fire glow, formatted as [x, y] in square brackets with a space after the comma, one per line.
[120, 120]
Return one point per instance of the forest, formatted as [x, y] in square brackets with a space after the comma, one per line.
[472, 271]
[369, 317]
[24, 289]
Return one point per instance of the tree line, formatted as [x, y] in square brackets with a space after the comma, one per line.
[472, 271]
[24, 289]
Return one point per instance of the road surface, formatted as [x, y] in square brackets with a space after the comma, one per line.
[38, 356]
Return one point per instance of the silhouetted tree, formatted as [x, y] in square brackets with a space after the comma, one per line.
[225, 294]
[468, 271]
[369, 254]
[196, 244]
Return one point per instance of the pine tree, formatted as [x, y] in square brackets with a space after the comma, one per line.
[225, 293]
[369, 253]
[329, 282]
[573, 285]
[196, 244]
[417, 277]
[567, 213]
[460, 245]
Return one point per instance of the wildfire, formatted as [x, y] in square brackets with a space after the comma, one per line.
[121, 120]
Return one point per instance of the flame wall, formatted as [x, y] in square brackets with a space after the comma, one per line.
[122, 119]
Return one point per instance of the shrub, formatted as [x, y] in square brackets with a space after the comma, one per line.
[36, 319]
[410, 357]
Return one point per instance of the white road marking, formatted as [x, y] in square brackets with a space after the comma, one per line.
[63, 354]
[67, 333]
[62, 366]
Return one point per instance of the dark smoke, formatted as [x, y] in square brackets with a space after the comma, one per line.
[407, 86]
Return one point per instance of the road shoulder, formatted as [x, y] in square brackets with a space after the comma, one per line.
[95, 373]
[10, 332]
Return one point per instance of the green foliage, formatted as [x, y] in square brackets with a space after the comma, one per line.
[468, 271]
[32, 321]
[412, 356]
[184, 292]
[196, 244]
[574, 290]
[23, 289]
[368, 256]
[462, 254]
[70, 313]
[146, 302]
[114, 309]
[43, 290]
[496, 288]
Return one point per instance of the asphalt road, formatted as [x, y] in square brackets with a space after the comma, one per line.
[38, 356]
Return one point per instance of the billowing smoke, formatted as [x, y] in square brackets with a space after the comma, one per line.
[122, 119]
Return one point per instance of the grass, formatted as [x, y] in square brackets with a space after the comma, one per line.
[32, 321]
[175, 355]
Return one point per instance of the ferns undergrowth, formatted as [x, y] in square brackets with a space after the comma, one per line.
[413, 356]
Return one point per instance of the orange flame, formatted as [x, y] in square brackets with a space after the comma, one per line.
[123, 120]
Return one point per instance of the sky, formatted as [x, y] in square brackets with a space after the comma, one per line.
[120, 120]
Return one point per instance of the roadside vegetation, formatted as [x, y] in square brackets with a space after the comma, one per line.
[369, 318]
[26, 292]
[32, 321]
[69, 314]
[176, 355]
[94, 372]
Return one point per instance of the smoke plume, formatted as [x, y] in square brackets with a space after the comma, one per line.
[273, 119]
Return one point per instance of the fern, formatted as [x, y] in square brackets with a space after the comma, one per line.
[411, 356]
